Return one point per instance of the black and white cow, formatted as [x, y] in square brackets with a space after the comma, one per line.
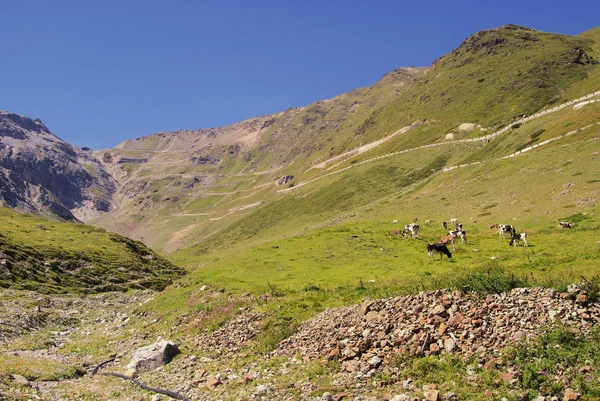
[514, 240]
[412, 229]
[441, 248]
[504, 228]
[462, 234]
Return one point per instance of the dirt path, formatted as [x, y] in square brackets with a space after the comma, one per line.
[484, 139]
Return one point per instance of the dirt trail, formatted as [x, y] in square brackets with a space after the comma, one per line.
[484, 139]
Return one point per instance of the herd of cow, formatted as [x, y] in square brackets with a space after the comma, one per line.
[441, 246]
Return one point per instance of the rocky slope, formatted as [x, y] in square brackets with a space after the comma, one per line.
[361, 352]
[40, 173]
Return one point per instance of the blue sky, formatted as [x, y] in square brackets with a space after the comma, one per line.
[99, 72]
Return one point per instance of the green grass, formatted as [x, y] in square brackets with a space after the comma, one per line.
[38, 368]
[50, 256]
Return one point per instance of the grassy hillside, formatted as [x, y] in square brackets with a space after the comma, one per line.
[50, 256]
[492, 78]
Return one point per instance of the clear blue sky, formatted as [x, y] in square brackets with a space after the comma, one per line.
[99, 72]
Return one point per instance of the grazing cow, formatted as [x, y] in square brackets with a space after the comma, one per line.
[454, 222]
[395, 232]
[415, 219]
[441, 248]
[413, 229]
[462, 234]
[445, 225]
[518, 237]
[448, 239]
[504, 228]
[427, 222]
[566, 224]
[395, 222]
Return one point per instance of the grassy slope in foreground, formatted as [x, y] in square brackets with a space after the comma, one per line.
[50, 256]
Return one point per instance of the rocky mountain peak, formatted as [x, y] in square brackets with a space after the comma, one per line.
[41, 173]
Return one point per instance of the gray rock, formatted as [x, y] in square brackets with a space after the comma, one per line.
[262, 389]
[22, 380]
[151, 357]
[402, 397]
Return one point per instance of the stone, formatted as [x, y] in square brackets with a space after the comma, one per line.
[571, 395]
[449, 345]
[438, 310]
[261, 389]
[491, 364]
[156, 397]
[213, 382]
[22, 380]
[151, 357]
[524, 396]
[431, 395]
[375, 361]
[510, 377]
[366, 306]
[455, 320]
[401, 397]
[327, 397]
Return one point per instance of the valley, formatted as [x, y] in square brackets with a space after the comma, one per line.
[267, 249]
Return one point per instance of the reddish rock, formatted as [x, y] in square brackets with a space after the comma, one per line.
[510, 377]
[455, 320]
[571, 395]
[213, 382]
[491, 364]
[431, 395]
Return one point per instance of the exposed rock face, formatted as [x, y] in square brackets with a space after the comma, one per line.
[41, 173]
[285, 179]
[151, 357]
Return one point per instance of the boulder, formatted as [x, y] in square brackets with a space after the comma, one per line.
[151, 357]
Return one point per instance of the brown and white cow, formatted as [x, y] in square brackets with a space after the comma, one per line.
[448, 239]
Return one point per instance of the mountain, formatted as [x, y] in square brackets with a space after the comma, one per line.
[180, 189]
[179, 176]
[40, 173]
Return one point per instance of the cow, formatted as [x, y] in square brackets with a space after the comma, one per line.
[415, 219]
[504, 228]
[458, 227]
[566, 224]
[395, 222]
[454, 221]
[445, 225]
[448, 239]
[395, 232]
[514, 240]
[462, 234]
[441, 248]
[427, 222]
[413, 229]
